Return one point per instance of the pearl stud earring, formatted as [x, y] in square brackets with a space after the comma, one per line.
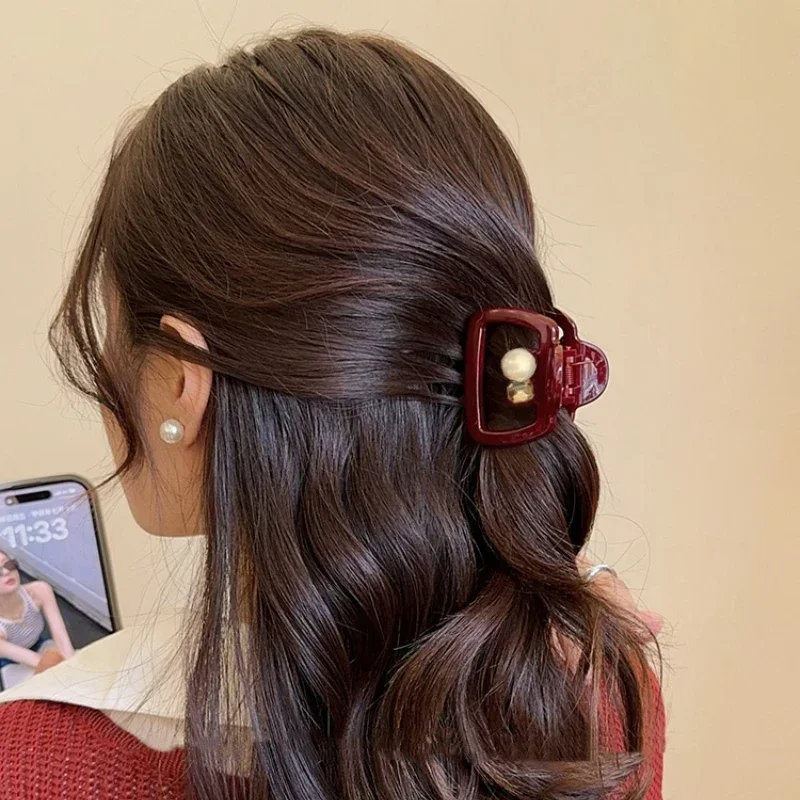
[518, 365]
[171, 431]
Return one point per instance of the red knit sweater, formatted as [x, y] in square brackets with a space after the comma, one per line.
[52, 751]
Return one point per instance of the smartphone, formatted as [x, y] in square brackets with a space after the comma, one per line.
[51, 532]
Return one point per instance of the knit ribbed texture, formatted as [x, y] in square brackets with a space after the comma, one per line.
[53, 751]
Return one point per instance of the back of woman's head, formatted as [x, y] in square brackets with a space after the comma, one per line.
[329, 211]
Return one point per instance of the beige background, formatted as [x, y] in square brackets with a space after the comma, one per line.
[661, 142]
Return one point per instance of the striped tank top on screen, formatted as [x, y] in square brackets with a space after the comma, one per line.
[26, 630]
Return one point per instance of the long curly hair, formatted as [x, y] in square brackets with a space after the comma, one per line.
[329, 210]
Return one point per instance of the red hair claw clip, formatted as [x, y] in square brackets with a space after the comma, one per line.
[562, 372]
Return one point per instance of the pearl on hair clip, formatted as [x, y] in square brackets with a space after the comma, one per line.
[518, 365]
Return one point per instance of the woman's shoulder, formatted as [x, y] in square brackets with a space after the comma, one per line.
[37, 591]
[59, 750]
[654, 736]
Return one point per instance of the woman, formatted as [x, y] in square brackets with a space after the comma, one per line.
[24, 647]
[290, 250]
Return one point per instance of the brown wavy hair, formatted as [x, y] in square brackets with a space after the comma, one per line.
[329, 210]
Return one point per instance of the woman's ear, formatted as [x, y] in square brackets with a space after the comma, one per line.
[194, 381]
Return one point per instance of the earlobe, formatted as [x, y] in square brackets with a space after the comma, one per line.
[195, 388]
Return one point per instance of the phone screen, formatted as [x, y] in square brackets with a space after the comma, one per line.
[49, 534]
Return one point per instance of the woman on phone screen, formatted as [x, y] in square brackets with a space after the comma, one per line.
[24, 646]
[307, 300]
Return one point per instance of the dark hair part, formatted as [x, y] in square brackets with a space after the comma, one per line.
[329, 210]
